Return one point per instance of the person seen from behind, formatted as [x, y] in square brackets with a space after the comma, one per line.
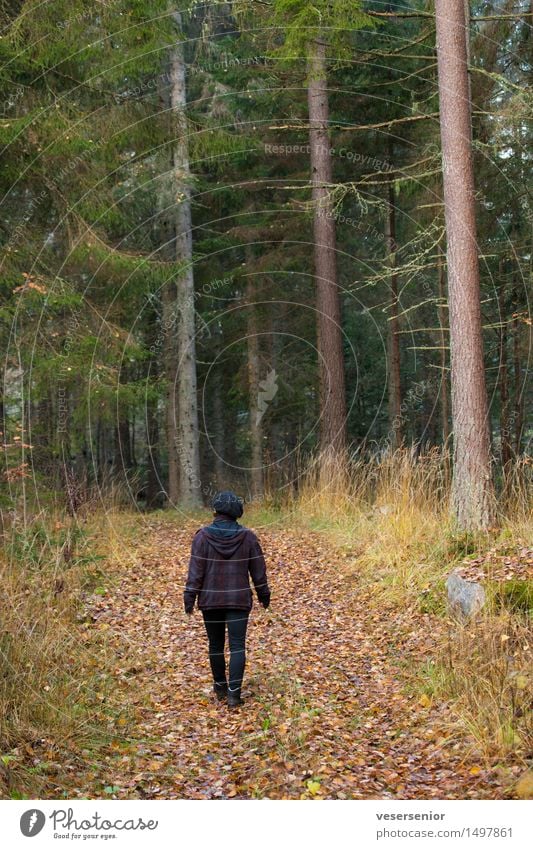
[224, 555]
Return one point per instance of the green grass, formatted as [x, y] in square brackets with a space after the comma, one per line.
[515, 595]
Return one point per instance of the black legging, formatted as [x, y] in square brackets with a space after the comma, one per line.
[215, 625]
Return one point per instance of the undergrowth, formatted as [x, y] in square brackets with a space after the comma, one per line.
[389, 521]
[53, 662]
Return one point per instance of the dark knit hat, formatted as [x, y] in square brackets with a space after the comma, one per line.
[228, 503]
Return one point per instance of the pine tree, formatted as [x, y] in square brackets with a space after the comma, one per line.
[473, 494]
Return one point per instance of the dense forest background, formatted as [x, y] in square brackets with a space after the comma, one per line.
[158, 273]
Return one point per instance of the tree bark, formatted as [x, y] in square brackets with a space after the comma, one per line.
[503, 377]
[329, 328]
[218, 435]
[467, 22]
[517, 380]
[277, 318]
[168, 304]
[165, 238]
[188, 450]
[153, 486]
[443, 323]
[254, 376]
[394, 373]
[472, 486]
[123, 460]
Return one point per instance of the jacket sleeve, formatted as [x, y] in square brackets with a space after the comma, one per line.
[195, 577]
[257, 569]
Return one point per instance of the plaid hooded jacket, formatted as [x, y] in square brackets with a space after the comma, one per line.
[220, 568]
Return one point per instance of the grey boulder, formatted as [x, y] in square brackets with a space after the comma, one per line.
[465, 598]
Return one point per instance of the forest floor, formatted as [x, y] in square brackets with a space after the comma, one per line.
[330, 710]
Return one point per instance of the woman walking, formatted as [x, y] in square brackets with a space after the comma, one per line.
[223, 556]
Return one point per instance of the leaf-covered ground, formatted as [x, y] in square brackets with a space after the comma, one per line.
[500, 567]
[329, 712]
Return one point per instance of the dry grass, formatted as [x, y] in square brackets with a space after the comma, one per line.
[390, 519]
[390, 514]
[487, 672]
[51, 663]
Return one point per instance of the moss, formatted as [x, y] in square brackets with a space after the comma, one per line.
[463, 544]
[515, 595]
[433, 601]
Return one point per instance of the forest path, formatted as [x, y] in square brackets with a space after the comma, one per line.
[327, 711]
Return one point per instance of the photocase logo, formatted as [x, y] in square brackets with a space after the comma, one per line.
[268, 387]
[32, 822]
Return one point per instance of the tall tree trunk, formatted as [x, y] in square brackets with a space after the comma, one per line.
[98, 452]
[153, 340]
[472, 486]
[517, 380]
[217, 417]
[443, 323]
[122, 460]
[329, 328]
[218, 435]
[188, 433]
[168, 303]
[133, 432]
[153, 486]
[467, 24]
[165, 236]
[394, 373]
[278, 318]
[254, 376]
[503, 377]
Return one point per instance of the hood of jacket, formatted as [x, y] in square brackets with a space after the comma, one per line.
[225, 536]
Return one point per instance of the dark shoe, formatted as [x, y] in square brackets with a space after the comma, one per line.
[221, 691]
[234, 698]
